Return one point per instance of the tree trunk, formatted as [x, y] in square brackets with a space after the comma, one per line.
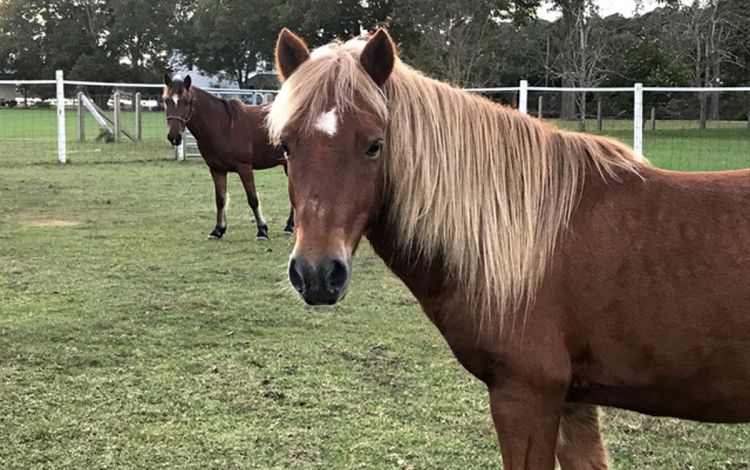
[653, 118]
[715, 96]
[715, 106]
[702, 98]
[567, 102]
[540, 108]
[581, 111]
[101, 100]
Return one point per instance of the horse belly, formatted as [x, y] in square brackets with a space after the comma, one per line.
[673, 355]
[656, 281]
[718, 394]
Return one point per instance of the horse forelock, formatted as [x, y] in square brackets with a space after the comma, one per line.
[175, 88]
[487, 188]
[331, 79]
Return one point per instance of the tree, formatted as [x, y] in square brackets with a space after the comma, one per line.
[142, 34]
[700, 32]
[581, 60]
[124, 40]
[229, 38]
[235, 38]
[456, 40]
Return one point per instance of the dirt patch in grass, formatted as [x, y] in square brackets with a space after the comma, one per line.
[49, 223]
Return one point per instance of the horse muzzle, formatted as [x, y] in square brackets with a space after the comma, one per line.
[322, 283]
[174, 139]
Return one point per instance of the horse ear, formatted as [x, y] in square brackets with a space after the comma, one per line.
[167, 79]
[291, 52]
[187, 82]
[379, 56]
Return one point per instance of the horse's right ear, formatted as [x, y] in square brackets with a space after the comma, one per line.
[291, 52]
[379, 56]
[167, 79]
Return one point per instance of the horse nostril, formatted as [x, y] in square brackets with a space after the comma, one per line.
[295, 277]
[338, 274]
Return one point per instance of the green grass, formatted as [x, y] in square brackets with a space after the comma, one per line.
[28, 136]
[127, 340]
[681, 145]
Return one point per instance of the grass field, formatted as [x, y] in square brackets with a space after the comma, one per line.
[28, 136]
[128, 340]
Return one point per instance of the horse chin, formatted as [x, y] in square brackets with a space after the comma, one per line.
[325, 301]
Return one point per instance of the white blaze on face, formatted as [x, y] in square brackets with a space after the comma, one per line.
[328, 122]
[175, 99]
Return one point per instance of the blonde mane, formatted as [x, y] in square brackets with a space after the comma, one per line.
[484, 186]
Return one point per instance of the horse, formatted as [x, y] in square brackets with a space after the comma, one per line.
[563, 270]
[231, 138]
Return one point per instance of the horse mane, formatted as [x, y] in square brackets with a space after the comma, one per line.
[487, 188]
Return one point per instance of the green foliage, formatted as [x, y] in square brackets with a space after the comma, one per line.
[470, 43]
[230, 38]
[124, 40]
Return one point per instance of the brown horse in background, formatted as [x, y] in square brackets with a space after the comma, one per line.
[562, 270]
[231, 138]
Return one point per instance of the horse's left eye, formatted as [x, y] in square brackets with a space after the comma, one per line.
[285, 148]
[374, 149]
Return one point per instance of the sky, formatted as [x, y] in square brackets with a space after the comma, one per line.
[606, 8]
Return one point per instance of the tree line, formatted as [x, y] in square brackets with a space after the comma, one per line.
[466, 42]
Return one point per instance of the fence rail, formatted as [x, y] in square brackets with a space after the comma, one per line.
[547, 96]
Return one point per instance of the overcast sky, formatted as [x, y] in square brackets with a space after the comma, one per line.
[606, 8]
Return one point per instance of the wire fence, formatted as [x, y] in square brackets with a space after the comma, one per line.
[43, 121]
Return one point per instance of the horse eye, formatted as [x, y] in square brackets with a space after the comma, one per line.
[285, 148]
[374, 149]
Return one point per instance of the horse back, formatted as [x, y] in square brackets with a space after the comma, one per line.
[653, 280]
[264, 154]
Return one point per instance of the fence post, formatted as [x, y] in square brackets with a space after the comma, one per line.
[539, 111]
[599, 124]
[117, 123]
[62, 154]
[638, 118]
[81, 118]
[138, 122]
[523, 96]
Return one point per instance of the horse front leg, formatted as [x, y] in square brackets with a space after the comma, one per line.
[220, 192]
[289, 228]
[246, 175]
[526, 420]
[580, 445]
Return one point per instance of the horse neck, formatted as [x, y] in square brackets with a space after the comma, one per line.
[426, 279]
[208, 116]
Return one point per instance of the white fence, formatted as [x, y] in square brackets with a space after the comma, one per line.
[520, 98]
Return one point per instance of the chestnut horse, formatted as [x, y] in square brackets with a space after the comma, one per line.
[563, 271]
[231, 138]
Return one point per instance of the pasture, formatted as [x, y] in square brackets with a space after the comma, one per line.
[128, 340]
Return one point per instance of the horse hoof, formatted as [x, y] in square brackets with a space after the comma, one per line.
[288, 230]
[217, 233]
[262, 232]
